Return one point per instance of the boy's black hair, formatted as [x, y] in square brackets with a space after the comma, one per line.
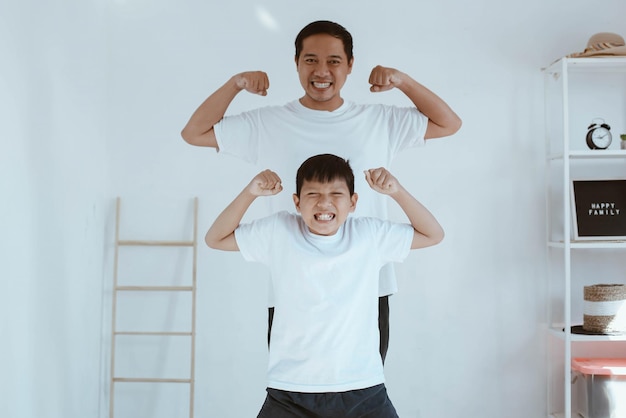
[325, 168]
[328, 28]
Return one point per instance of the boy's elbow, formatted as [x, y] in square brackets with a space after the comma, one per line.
[211, 242]
[438, 237]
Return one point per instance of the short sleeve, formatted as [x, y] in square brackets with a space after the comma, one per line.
[236, 135]
[394, 239]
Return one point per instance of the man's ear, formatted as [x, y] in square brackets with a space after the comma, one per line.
[349, 65]
[353, 200]
[296, 202]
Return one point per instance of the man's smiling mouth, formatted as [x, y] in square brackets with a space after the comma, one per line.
[319, 85]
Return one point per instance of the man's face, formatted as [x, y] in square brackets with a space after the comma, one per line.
[323, 68]
[324, 207]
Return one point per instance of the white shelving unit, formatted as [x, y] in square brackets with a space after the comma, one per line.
[577, 90]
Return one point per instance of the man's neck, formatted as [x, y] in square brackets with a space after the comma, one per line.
[328, 106]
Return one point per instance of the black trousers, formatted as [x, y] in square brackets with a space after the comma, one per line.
[370, 402]
[383, 325]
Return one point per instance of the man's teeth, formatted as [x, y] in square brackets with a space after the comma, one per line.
[325, 216]
[321, 85]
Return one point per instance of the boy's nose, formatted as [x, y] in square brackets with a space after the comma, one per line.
[323, 202]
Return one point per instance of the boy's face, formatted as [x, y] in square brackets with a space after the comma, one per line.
[324, 207]
[323, 68]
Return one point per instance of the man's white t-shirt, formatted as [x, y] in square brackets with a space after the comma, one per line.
[281, 138]
[325, 334]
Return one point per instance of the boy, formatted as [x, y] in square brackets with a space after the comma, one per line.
[324, 266]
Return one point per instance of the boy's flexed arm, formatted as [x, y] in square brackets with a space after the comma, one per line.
[221, 235]
[427, 230]
[199, 129]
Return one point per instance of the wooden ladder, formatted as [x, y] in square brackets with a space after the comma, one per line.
[117, 289]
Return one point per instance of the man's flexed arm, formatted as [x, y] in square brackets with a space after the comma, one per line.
[221, 235]
[426, 229]
[442, 121]
[199, 129]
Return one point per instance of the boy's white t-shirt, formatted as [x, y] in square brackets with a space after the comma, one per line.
[283, 137]
[325, 334]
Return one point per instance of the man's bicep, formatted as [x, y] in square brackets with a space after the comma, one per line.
[206, 139]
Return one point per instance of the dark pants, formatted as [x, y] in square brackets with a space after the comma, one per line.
[371, 402]
[383, 325]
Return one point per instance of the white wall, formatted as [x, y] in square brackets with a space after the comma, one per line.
[54, 185]
[93, 98]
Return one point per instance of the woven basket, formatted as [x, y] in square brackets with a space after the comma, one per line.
[605, 309]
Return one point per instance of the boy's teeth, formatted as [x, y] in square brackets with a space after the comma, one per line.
[325, 217]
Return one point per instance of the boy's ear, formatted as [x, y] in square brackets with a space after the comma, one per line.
[296, 201]
[353, 200]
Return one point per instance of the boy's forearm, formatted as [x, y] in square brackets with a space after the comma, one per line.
[221, 233]
[429, 231]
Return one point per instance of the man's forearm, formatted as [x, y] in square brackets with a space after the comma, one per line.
[438, 112]
[210, 112]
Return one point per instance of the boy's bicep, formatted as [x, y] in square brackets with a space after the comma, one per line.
[229, 243]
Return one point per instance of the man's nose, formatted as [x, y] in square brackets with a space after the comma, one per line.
[321, 68]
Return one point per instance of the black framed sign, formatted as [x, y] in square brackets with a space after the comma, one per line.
[599, 209]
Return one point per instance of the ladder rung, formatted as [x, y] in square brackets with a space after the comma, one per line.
[155, 288]
[149, 380]
[157, 333]
[148, 243]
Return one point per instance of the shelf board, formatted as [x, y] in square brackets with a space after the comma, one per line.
[589, 244]
[590, 154]
[589, 64]
[559, 333]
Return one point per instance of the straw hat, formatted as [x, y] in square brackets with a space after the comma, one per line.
[602, 44]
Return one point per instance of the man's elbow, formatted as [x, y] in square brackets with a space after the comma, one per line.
[455, 125]
[188, 137]
[441, 130]
[203, 139]
[452, 126]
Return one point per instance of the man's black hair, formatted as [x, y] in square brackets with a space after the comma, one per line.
[325, 27]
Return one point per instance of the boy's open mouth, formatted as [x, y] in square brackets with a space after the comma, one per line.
[324, 216]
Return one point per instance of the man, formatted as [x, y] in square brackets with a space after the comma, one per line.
[321, 121]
